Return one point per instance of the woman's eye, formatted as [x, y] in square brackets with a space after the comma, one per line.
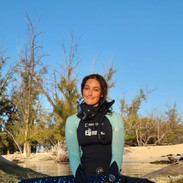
[96, 89]
[86, 88]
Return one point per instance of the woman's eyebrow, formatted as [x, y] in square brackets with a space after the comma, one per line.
[95, 87]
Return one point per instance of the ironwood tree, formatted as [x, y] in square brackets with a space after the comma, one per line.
[26, 94]
[20, 107]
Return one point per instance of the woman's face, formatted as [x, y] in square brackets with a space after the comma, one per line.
[92, 92]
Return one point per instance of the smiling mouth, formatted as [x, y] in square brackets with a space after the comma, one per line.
[90, 98]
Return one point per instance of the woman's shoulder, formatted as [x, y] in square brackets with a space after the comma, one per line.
[114, 115]
[115, 119]
[72, 121]
[72, 117]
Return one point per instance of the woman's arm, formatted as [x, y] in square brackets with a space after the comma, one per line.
[72, 142]
[118, 134]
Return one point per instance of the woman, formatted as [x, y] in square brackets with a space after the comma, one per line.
[95, 135]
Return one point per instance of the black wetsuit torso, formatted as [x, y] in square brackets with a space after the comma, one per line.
[96, 155]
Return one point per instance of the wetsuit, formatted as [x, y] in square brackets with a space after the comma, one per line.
[95, 142]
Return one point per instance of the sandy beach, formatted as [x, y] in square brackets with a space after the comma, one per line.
[145, 155]
[152, 153]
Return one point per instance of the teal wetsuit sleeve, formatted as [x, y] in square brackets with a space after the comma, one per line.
[118, 135]
[72, 142]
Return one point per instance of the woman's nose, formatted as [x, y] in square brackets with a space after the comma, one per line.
[90, 92]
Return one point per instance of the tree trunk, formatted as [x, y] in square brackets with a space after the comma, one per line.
[27, 149]
[12, 168]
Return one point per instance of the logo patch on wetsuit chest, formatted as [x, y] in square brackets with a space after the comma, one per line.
[91, 129]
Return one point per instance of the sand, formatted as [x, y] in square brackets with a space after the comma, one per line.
[152, 153]
[169, 173]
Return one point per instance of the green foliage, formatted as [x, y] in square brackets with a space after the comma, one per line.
[108, 77]
[3, 143]
[67, 96]
[26, 94]
[7, 109]
[149, 130]
[170, 137]
[130, 139]
[132, 108]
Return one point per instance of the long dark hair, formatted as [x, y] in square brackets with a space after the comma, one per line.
[102, 82]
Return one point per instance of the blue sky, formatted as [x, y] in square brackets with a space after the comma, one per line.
[141, 39]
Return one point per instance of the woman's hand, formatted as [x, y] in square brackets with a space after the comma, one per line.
[80, 176]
